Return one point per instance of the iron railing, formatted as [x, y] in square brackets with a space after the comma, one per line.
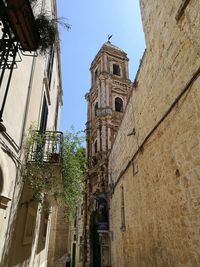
[45, 147]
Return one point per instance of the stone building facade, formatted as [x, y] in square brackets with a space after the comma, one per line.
[76, 237]
[154, 164]
[107, 99]
[32, 90]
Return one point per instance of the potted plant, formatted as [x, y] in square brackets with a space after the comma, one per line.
[34, 31]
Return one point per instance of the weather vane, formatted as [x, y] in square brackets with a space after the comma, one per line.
[109, 37]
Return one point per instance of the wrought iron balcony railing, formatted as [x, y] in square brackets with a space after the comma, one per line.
[45, 147]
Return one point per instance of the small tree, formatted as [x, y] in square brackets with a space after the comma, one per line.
[73, 168]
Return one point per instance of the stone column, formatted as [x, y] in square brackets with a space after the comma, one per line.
[99, 94]
[98, 139]
[101, 66]
[107, 93]
[103, 93]
[103, 136]
[105, 62]
[109, 135]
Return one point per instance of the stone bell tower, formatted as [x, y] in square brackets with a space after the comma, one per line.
[107, 98]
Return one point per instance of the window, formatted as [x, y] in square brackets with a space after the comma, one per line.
[95, 74]
[81, 248]
[95, 109]
[75, 219]
[50, 66]
[123, 225]
[82, 207]
[3, 200]
[44, 115]
[116, 69]
[29, 226]
[56, 113]
[95, 147]
[118, 104]
[44, 229]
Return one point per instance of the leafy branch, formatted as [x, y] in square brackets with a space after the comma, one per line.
[73, 168]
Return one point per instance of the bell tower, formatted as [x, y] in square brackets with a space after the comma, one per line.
[107, 98]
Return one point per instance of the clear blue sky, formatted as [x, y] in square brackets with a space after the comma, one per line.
[91, 22]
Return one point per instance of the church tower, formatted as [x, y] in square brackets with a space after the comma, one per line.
[107, 98]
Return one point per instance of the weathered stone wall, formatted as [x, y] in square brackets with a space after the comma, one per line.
[58, 242]
[159, 165]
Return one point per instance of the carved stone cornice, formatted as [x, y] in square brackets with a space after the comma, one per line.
[104, 111]
[122, 83]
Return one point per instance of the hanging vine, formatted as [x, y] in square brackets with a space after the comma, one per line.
[61, 182]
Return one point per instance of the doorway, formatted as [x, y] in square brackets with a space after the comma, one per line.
[95, 247]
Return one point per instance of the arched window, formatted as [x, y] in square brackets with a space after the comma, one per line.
[95, 109]
[118, 104]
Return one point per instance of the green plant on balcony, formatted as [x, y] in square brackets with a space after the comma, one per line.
[47, 27]
[48, 30]
[41, 176]
[38, 170]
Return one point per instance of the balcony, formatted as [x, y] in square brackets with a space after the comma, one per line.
[18, 20]
[45, 148]
[43, 169]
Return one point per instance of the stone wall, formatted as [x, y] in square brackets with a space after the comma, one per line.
[58, 241]
[156, 156]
